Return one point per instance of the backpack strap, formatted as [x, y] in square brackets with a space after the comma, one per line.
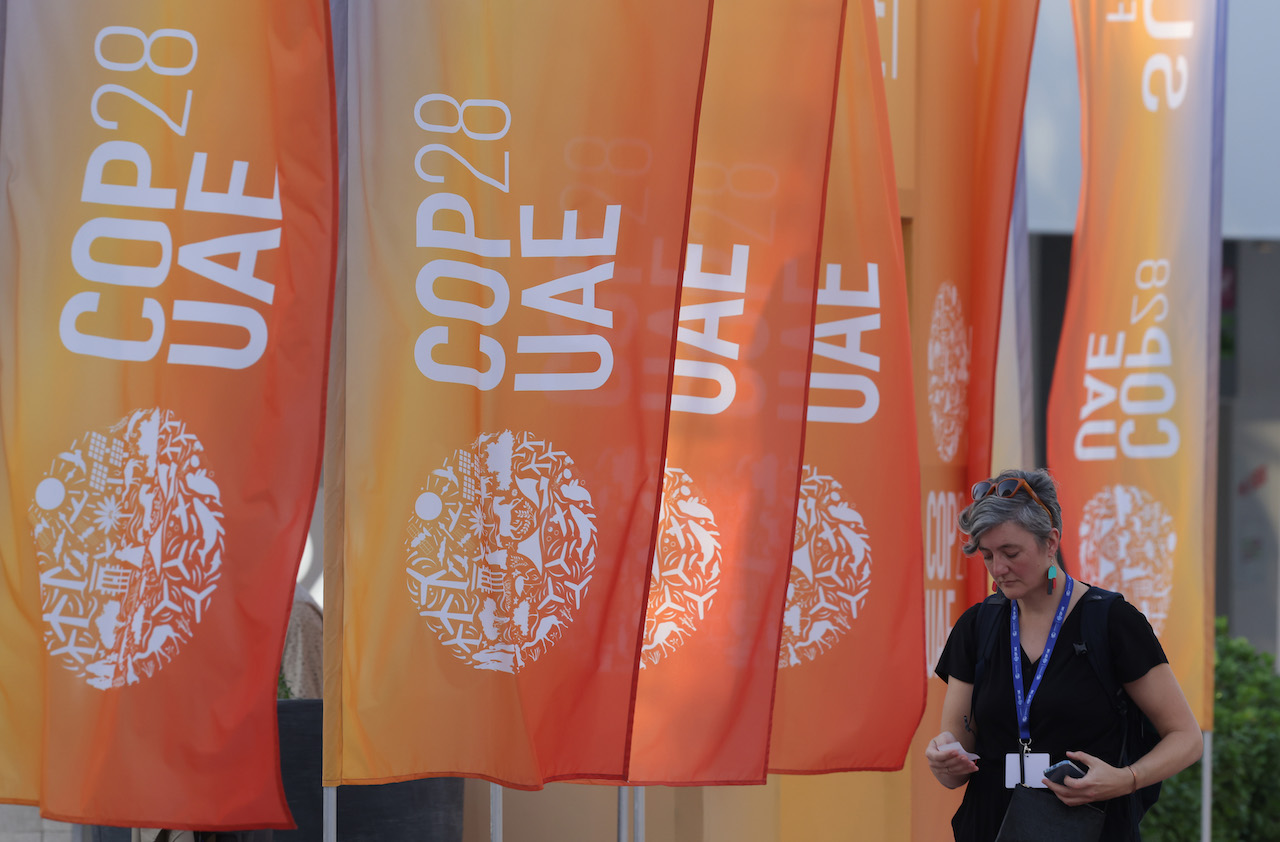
[990, 612]
[1138, 732]
[1095, 607]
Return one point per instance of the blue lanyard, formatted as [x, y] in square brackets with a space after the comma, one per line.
[1015, 641]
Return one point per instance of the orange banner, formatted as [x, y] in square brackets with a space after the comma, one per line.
[21, 650]
[999, 90]
[519, 191]
[959, 216]
[165, 276]
[850, 689]
[955, 76]
[970, 108]
[737, 422]
[1132, 404]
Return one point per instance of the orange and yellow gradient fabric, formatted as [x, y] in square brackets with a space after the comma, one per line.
[1134, 399]
[166, 242]
[1003, 39]
[957, 125]
[719, 582]
[519, 189]
[850, 688]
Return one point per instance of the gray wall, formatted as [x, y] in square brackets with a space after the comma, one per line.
[1051, 124]
[1250, 476]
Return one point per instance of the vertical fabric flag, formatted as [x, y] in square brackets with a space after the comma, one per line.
[850, 689]
[166, 283]
[21, 650]
[956, 124]
[954, 222]
[1002, 59]
[719, 579]
[971, 102]
[1002, 65]
[1131, 408]
[519, 185]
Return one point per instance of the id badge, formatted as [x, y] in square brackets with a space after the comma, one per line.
[1035, 765]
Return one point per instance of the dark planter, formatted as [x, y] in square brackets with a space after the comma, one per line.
[427, 810]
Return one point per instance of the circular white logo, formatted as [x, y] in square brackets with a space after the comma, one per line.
[501, 546]
[949, 346]
[830, 571]
[129, 538]
[686, 568]
[1127, 541]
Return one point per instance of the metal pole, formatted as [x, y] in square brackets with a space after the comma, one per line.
[624, 809]
[495, 812]
[1206, 789]
[330, 813]
[637, 826]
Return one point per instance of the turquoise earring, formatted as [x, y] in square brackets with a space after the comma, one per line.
[1053, 576]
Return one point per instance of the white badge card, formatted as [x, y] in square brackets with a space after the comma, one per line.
[1035, 765]
[1012, 769]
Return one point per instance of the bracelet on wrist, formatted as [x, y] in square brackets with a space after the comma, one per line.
[1135, 779]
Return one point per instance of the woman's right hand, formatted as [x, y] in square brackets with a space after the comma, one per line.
[951, 767]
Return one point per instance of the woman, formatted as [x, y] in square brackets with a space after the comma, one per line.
[1016, 523]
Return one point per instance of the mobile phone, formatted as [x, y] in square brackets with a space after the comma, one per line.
[1059, 772]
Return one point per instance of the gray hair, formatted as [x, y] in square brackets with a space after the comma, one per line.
[991, 511]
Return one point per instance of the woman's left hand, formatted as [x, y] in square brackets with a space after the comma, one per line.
[1101, 783]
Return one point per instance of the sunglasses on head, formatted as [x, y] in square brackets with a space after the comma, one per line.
[1007, 488]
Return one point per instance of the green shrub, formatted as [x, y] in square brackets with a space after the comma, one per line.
[1246, 755]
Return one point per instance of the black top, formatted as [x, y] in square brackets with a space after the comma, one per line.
[1070, 712]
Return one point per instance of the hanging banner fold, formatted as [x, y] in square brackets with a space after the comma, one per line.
[1131, 407]
[737, 408]
[1000, 90]
[519, 189]
[854, 619]
[1004, 37]
[166, 283]
[957, 99]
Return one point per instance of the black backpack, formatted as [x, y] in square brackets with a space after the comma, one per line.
[1139, 734]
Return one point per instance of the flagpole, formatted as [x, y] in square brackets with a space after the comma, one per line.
[624, 809]
[637, 807]
[330, 813]
[1206, 790]
[338, 24]
[495, 812]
